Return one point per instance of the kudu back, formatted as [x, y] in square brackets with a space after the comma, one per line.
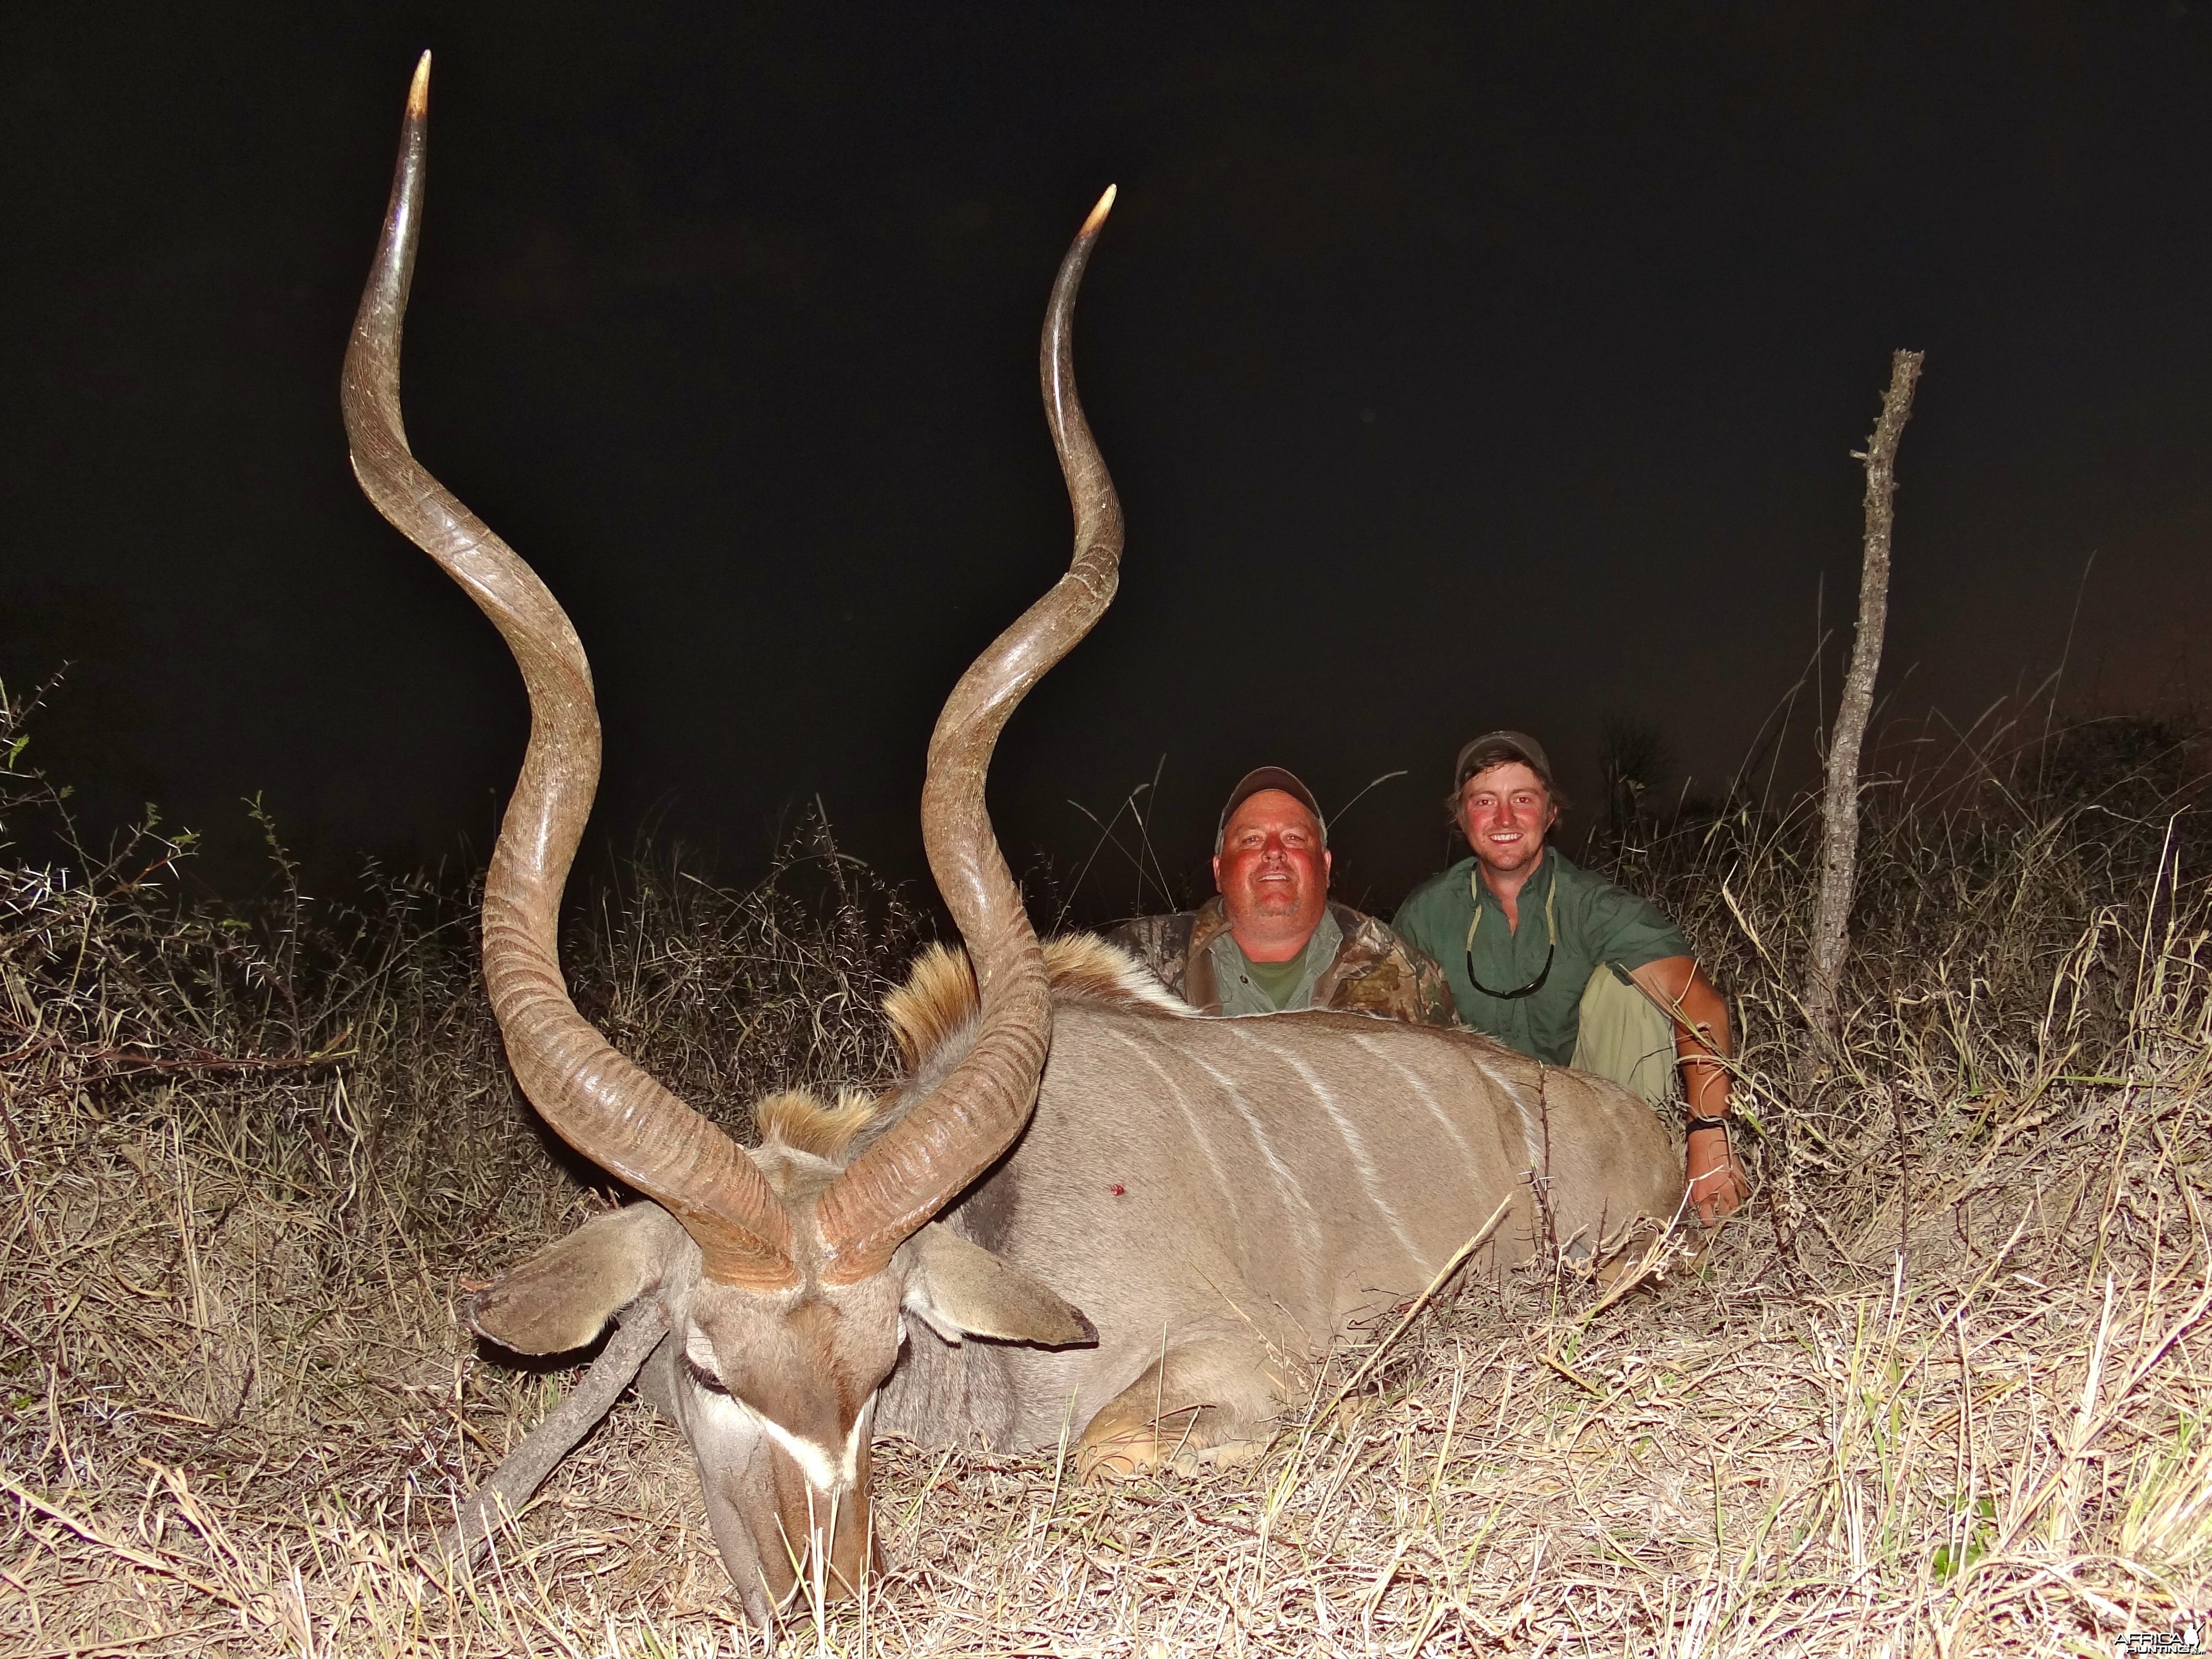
[1142, 1235]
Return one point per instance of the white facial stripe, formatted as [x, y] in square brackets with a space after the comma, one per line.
[814, 1461]
[824, 1472]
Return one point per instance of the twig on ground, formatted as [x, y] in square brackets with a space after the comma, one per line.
[501, 1497]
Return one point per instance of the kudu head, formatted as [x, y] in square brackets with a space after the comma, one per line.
[783, 1274]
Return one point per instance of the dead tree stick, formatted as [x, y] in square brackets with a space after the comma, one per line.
[1839, 806]
[524, 1468]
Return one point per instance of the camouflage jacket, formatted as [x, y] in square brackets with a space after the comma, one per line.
[1373, 972]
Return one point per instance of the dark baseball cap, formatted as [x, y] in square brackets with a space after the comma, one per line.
[1262, 778]
[1496, 748]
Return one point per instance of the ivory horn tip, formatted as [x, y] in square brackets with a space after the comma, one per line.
[418, 92]
[1098, 213]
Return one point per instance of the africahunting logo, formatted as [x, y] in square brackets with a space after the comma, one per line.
[2189, 1638]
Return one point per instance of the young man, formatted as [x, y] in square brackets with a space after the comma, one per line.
[1271, 941]
[1566, 967]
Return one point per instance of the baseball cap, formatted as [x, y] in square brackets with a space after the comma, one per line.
[1268, 777]
[1496, 748]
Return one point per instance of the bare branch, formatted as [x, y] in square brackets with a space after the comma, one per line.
[1839, 807]
[512, 1485]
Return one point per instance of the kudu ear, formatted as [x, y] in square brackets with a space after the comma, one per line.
[958, 1289]
[562, 1296]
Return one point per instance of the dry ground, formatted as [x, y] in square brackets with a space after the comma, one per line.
[1946, 1386]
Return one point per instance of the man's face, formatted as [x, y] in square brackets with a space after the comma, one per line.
[1505, 812]
[1272, 871]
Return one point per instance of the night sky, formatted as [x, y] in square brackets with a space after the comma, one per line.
[1459, 366]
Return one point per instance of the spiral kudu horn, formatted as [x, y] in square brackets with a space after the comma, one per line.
[952, 1137]
[599, 1103]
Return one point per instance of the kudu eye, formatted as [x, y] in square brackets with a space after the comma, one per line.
[703, 1377]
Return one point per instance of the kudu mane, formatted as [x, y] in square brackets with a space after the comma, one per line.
[932, 1019]
[938, 1000]
[802, 1121]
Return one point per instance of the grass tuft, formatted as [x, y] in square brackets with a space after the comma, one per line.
[1942, 1388]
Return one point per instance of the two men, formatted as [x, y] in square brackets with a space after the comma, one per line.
[1515, 942]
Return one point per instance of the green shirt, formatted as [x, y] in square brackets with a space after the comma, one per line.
[1596, 921]
[1278, 981]
[1268, 987]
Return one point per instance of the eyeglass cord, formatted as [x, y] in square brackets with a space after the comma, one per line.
[1551, 927]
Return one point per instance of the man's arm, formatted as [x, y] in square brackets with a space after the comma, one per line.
[1437, 1007]
[1716, 1181]
[1429, 1001]
[1161, 943]
[1378, 971]
[1419, 929]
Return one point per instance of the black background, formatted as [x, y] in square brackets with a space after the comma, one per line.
[1459, 366]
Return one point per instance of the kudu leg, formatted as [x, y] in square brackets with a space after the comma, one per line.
[1210, 1401]
[511, 1486]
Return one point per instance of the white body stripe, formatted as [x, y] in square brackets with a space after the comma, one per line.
[1370, 1177]
[1294, 1197]
[1421, 1092]
[1222, 1183]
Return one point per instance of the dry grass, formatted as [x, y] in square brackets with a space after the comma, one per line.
[1946, 1388]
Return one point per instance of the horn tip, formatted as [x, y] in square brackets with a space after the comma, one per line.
[418, 92]
[1097, 214]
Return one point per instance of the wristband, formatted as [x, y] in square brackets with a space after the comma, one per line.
[1696, 1123]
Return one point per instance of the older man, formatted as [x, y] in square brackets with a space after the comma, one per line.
[1566, 966]
[1271, 941]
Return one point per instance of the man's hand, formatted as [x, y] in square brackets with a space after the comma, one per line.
[1717, 1185]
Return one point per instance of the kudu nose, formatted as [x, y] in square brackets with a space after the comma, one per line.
[801, 1569]
[833, 1575]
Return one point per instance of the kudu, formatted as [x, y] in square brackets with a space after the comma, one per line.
[1216, 1197]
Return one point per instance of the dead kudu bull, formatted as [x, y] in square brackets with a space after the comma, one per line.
[1084, 1205]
